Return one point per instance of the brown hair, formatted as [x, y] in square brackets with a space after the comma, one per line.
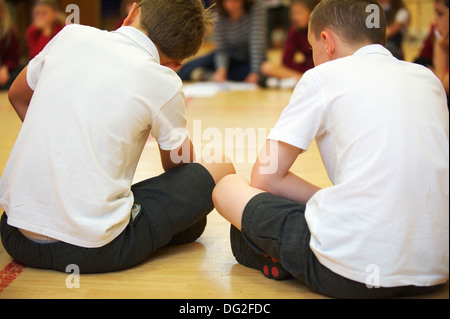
[177, 27]
[223, 13]
[348, 18]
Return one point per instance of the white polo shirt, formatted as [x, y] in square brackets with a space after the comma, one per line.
[97, 97]
[381, 126]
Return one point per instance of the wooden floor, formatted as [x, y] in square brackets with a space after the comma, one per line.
[204, 269]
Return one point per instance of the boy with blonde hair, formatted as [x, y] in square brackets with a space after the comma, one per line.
[381, 126]
[88, 103]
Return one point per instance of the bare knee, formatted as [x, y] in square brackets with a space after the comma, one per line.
[219, 167]
[227, 186]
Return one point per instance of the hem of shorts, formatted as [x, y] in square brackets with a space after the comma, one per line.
[199, 168]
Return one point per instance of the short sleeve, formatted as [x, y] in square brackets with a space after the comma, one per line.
[37, 63]
[304, 118]
[34, 70]
[169, 125]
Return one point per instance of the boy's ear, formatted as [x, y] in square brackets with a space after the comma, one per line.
[131, 15]
[330, 42]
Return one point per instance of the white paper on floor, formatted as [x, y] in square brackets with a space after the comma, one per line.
[210, 89]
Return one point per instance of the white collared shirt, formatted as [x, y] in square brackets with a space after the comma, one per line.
[97, 97]
[381, 126]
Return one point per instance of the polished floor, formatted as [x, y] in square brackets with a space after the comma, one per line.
[236, 122]
[206, 268]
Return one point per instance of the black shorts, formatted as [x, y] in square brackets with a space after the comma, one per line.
[276, 226]
[170, 204]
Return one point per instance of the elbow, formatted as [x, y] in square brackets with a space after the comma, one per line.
[12, 96]
[262, 180]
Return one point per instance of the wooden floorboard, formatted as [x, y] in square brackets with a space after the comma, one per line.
[201, 270]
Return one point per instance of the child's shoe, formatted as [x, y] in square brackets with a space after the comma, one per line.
[270, 267]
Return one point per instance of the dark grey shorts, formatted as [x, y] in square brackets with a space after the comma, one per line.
[170, 204]
[275, 226]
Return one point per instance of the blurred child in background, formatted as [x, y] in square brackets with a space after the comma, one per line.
[46, 24]
[9, 48]
[277, 21]
[297, 55]
[240, 38]
[397, 18]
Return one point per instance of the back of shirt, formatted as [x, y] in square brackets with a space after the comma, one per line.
[382, 129]
[97, 96]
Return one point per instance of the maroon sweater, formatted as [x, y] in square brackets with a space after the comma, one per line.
[37, 41]
[297, 41]
[10, 51]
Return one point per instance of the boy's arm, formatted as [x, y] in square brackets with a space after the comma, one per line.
[20, 94]
[271, 173]
[179, 156]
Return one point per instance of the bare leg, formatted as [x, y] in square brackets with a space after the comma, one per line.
[231, 196]
[218, 168]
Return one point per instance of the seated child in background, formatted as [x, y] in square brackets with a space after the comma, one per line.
[9, 49]
[46, 24]
[240, 38]
[297, 55]
[278, 21]
[434, 50]
[89, 101]
[425, 55]
[397, 18]
[381, 126]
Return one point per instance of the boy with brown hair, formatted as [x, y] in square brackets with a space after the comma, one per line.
[88, 103]
[381, 125]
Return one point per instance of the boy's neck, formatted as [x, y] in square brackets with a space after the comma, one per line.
[347, 49]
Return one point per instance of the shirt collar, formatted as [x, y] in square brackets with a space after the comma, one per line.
[140, 39]
[373, 49]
